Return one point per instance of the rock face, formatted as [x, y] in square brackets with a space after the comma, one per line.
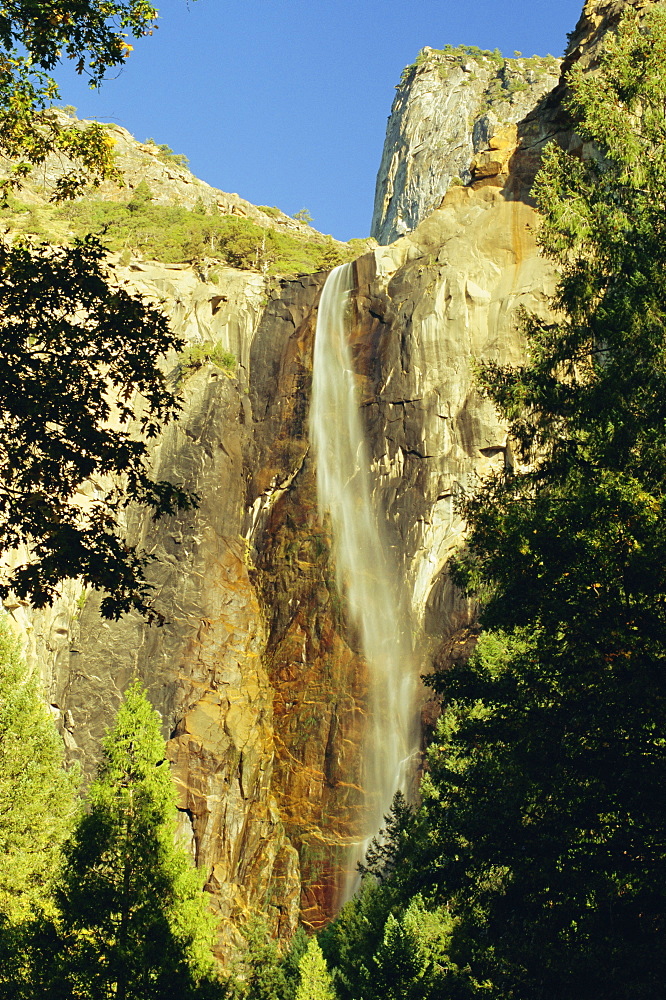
[260, 683]
[258, 677]
[204, 669]
[454, 116]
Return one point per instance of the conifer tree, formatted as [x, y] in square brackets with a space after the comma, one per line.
[263, 974]
[291, 962]
[315, 981]
[383, 849]
[37, 792]
[411, 962]
[132, 922]
[37, 807]
[547, 831]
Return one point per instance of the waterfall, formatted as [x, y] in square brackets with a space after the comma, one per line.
[364, 567]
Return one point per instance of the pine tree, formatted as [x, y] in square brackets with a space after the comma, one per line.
[37, 807]
[37, 791]
[131, 915]
[546, 827]
[263, 974]
[384, 849]
[291, 962]
[411, 963]
[315, 981]
[350, 942]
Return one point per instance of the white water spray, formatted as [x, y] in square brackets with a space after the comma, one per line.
[364, 569]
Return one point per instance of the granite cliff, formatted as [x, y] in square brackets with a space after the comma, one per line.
[454, 116]
[259, 678]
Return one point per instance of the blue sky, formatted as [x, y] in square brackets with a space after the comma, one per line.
[284, 102]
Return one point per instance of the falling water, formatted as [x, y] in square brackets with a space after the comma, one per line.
[362, 558]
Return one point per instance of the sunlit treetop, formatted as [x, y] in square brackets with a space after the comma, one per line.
[91, 32]
[35, 35]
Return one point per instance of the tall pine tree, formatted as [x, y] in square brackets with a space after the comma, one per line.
[132, 921]
[544, 794]
[37, 792]
[315, 981]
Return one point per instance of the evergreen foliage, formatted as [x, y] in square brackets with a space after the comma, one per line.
[167, 155]
[262, 975]
[37, 792]
[412, 962]
[545, 791]
[315, 981]
[351, 941]
[383, 849]
[391, 943]
[291, 961]
[131, 917]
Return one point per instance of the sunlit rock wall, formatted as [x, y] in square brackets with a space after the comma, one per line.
[259, 680]
[454, 116]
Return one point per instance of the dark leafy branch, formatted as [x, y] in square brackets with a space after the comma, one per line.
[66, 422]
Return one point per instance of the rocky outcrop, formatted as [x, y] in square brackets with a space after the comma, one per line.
[453, 118]
[164, 172]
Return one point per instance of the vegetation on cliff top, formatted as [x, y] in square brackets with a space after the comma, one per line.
[176, 235]
[500, 65]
